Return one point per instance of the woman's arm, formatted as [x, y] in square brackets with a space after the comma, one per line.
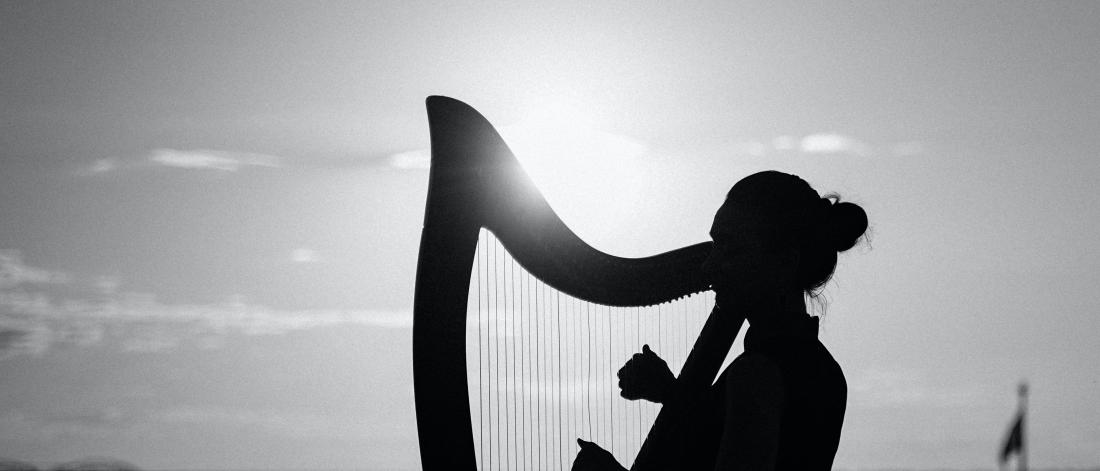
[754, 410]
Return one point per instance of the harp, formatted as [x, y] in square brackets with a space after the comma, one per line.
[474, 316]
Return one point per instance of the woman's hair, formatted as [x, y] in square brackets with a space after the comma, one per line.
[819, 226]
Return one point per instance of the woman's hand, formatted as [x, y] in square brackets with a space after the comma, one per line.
[593, 458]
[645, 376]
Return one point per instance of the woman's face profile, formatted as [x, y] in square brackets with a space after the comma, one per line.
[748, 259]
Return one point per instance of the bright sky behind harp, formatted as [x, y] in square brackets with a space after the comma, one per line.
[209, 213]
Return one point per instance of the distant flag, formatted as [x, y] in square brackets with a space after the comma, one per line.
[1014, 443]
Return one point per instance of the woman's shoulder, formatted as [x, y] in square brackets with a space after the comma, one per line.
[753, 383]
[753, 369]
[763, 367]
[752, 363]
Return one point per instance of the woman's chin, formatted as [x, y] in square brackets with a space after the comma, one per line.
[724, 298]
[743, 298]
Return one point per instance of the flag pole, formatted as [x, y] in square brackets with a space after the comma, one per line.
[1021, 462]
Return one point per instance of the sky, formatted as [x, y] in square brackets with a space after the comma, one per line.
[209, 212]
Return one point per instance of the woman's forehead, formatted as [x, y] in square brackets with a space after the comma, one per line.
[735, 215]
[732, 223]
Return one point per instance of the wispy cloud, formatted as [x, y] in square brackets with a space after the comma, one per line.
[549, 140]
[906, 388]
[103, 165]
[304, 255]
[13, 272]
[206, 159]
[411, 160]
[811, 144]
[46, 426]
[98, 422]
[193, 159]
[561, 141]
[277, 422]
[33, 317]
[828, 143]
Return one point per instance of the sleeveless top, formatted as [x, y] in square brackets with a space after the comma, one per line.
[813, 403]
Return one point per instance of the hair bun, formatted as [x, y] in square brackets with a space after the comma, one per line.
[846, 223]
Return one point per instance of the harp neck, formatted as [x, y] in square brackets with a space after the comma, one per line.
[476, 181]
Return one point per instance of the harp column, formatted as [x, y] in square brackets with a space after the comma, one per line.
[439, 352]
[448, 245]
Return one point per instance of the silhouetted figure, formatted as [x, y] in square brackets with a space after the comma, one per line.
[780, 404]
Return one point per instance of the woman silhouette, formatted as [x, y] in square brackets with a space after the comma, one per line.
[780, 404]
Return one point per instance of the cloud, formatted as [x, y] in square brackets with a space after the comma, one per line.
[278, 422]
[68, 421]
[35, 316]
[304, 255]
[32, 323]
[818, 143]
[103, 165]
[412, 160]
[890, 388]
[195, 159]
[13, 272]
[826, 143]
[556, 140]
[84, 422]
[205, 159]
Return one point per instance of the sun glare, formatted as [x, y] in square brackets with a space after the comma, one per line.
[589, 176]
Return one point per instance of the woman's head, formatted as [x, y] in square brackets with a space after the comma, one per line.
[775, 233]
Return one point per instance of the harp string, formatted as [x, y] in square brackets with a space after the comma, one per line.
[546, 364]
[511, 319]
[637, 341]
[558, 382]
[496, 341]
[508, 435]
[611, 378]
[588, 356]
[528, 383]
[480, 421]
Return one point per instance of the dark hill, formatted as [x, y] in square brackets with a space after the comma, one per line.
[16, 465]
[96, 464]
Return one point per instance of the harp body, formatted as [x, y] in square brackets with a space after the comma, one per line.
[476, 183]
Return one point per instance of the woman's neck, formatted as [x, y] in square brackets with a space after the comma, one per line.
[778, 310]
[785, 302]
[792, 302]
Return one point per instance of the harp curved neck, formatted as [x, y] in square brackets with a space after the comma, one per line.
[477, 182]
